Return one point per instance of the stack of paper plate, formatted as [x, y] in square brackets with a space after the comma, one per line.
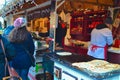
[64, 53]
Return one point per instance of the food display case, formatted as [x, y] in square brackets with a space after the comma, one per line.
[64, 68]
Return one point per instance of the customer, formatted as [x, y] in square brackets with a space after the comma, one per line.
[10, 53]
[23, 43]
[117, 37]
[101, 37]
[5, 34]
[7, 30]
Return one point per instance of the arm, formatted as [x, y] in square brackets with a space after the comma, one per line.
[109, 38]
[31, 46]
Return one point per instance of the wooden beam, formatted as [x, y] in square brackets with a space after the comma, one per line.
[33, 8]
[97, 3]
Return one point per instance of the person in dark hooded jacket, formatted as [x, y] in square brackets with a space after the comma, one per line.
[7, 30]
[10, 53]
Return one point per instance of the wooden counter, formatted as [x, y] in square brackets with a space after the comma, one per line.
[114, 57]
[63, 69]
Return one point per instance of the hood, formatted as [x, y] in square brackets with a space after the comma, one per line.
[101, 26]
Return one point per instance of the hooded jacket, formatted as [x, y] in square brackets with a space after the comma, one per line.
[100, 36]
[10, 53]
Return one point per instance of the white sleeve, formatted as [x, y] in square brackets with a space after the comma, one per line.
[109, 36]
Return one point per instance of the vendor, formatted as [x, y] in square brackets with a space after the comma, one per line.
[117, 37]
[101, 38]
[60, 32]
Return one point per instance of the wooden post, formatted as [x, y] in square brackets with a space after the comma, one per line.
[53, 22]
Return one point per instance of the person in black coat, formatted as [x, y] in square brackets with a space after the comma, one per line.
[60, 32]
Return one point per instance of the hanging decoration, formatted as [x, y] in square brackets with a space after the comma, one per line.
[11, 6]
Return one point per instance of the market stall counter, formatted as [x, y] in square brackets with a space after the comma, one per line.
[65, 65]
[36, 73]
[114, 55]
[81, 48]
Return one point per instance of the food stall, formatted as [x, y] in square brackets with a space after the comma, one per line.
[63, 64]
[73, 63]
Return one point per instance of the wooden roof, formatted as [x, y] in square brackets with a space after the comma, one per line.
[33, 3]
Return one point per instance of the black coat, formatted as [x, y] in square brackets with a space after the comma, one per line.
[60, 33]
